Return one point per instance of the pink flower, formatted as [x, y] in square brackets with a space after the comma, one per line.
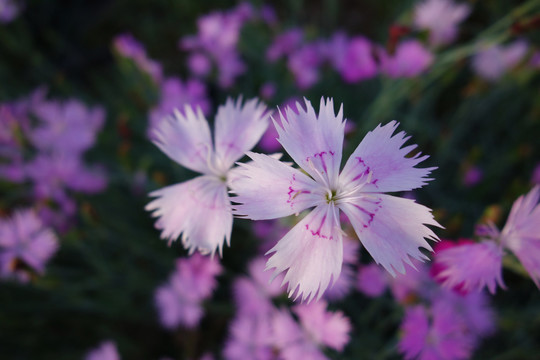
[471, 267]
[410, 59]
[9, 10]
[371, 280]
[521, 234]
[358, 62]
[441, 18]
[24, 238]
[105, 351]
[284, 44]
[250, 338]
[345, 282]
[439, 336]
[323, 327]
[179, 301]
[493, 62]
[68, 127]
[199, 209]
[311, 254]
[304, 64]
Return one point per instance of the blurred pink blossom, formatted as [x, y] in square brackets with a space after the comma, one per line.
[372, 280]
[105, 351]
[358, 62]
[492, 62]
[441, 18]
[410, 59]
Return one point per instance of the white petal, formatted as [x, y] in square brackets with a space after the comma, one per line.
[199, 209]
[391, 228]
[185, 139]
[314, 142]
[238, 129]
[267, 188]
[311, 253]
[380, 162]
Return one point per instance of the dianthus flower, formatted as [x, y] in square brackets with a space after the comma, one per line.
[441, 18]
[390, 228]
[24, 239]
[200, 209]
[105, 351]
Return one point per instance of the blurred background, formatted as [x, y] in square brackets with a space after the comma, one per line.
[82, 82]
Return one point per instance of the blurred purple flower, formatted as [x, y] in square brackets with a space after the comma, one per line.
[334, 50]
[441, 18]
[493, 62]
[217, 38]
[199, 64]
[435, 334]
[471, 267]
[284, 44]
[410, 59]
[127, 46]
[25, 239]
[179, 301]
[358, 62]
[473, 175]
[9, 10]
[176, 94]
[304, 64]
[323, 327]
[105, 351]
[371, 280]
[69, 127]
[250, 338]
[268, 90]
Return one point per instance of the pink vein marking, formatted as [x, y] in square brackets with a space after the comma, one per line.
[293, 193]
[370, 214]
[318, 232]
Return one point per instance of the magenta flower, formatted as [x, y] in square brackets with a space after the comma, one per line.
[199, 209]
[521, 234]
[323, 327]
[410, 59]
[439, 336]
[9, 10]
[250, 338]
[441, 18]
[284, 44]
[493, 62]
[304, 64]
[68, 127]
[179, 302]
[471, 267]
[24, 238]
[390, 228]
[358, 63]
[105, 351]
[371, 280]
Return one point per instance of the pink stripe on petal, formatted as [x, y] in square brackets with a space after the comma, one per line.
[311, 253]
[266, 188]
[199, 209]
[391, 229]
[381, 159]
[185, 139]
[314, 141]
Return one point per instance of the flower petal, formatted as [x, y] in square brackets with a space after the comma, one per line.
[238, 129]
[314, 142]
[199, 209]
[266, 188]
[471, 267]
[185, 138]
[311, 253]
[391, 228]
[380, 163]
